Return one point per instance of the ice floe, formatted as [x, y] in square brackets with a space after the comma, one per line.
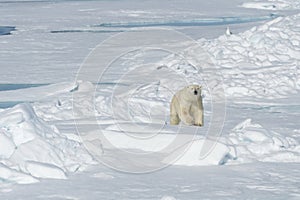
[31, 148]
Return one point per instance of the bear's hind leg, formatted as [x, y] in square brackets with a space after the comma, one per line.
[174, 119]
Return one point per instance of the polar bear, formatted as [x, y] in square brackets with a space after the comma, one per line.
[186, 106]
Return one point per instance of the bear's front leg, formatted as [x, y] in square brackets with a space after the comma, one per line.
[199, 118]
[186, 117]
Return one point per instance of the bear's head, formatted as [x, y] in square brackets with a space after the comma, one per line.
[194, 90]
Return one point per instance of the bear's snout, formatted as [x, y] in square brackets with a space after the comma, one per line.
[195, 92]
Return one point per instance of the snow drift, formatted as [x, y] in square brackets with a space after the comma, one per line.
[246, 142]
[255, 143]
[32, 149]
[251, 63]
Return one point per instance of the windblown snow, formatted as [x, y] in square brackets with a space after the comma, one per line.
[39, 139]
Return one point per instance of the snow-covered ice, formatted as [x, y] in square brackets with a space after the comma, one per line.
[33, 148]
[273, 4]
[61, 131]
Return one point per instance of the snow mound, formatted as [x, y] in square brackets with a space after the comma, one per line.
[43, 170]
[12, 175]
[255, 143]
[160, 143]
[247, 142]
[30, 148]
[62, 106]
[219, 154]
[252, 62]
[7, 147]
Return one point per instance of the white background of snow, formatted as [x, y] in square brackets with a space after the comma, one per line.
[38, 140]
[251, 61]
[34, 148]
[273, 4]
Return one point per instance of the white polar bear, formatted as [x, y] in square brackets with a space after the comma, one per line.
[186, 106]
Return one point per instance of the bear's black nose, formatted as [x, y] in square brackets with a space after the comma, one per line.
[195, 92]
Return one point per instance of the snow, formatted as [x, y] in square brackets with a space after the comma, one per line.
[272, 4]
[7, 147]
[65, 133]
[15, 176]
[31, 93]
[192, 157]
[168, 198]
[35, 149]
[252, 141]
[42, 170]
[259, 53]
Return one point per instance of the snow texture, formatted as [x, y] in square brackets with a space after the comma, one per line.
[273, 4]
[260, 143]
[33, 148]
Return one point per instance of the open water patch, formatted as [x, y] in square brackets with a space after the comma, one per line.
[86, 31]
[194, 22]
[111, 83]
[9, 104]
[6, 30]
[7, 87]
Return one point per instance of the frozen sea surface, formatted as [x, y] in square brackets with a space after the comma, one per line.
[253, 181]
[50, 122]
[50, 33]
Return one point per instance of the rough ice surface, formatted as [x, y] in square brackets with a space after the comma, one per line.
[42, 170]
[42, 150]
[253, 142]
[257, 154]
[27, 140]
[251, 62]
[273, 4]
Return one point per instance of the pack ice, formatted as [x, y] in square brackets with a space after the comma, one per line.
[31, 148]
[38, 140]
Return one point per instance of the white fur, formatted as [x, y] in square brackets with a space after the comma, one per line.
[186, 106]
